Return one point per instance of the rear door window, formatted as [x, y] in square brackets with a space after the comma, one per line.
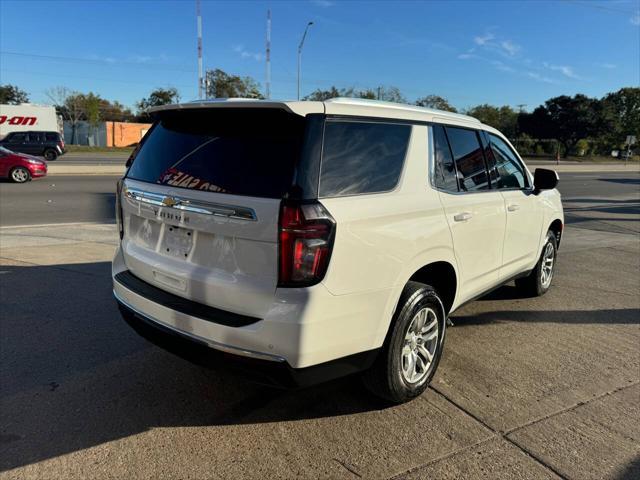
[244, 151]
[51, 137]
[362, 157]
[444, 168]
[469, 158]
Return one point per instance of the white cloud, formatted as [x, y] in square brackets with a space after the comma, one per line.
[608, 66]
[240, 50]
[566, 70]
[502, 67]
[635, 20]
[510, 47]
[323, 3]
[539, 78]
[484, 39]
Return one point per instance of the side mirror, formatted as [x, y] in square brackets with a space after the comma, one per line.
[545, 179]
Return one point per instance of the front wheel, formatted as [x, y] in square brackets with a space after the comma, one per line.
[539, 280]
[412, 349]
[19, 175]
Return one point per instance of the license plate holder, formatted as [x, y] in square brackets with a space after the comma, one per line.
[177, 241]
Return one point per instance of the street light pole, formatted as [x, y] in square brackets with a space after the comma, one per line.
[304, 35]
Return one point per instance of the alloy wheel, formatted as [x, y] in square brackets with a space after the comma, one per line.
[546, 272]
[420, 345]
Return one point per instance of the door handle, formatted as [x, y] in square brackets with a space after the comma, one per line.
[462, 217]
[513, 207]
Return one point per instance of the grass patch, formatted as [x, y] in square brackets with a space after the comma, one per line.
[88, 149]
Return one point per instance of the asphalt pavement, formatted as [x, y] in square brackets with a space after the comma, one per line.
[529, 388]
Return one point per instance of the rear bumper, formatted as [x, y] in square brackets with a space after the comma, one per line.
[302, 327]
[273, 371]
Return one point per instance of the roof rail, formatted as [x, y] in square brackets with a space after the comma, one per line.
[364, 102]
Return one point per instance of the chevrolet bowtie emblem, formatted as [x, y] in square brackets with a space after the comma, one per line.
[169, 201]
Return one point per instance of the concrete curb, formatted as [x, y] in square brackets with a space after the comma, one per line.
[86, 170]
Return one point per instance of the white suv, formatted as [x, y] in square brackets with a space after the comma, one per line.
[302, 241]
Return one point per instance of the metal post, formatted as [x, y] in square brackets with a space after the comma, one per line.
[268, 65]
[304, 35]
[200, 81]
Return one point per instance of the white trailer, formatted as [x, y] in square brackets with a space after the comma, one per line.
[26, 116]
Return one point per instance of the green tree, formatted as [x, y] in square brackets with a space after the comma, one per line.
[437, 102]
[320, 95]
[503, 118]
[367, 94]
[69, 104]
[12, 95]
[620, 116]
[566, 119]
[390, 94]
[220, 84]
[158, 97]
[115, 111]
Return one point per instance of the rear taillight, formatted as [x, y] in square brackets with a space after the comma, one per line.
[306, 232]
[119, 219]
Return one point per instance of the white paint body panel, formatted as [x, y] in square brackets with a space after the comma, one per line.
[381, 241]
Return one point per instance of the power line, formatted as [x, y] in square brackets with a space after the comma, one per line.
[599, 6]
[104, 62]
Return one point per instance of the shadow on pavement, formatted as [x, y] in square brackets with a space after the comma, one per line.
[631, 471]
[74, 375]
[628, 181]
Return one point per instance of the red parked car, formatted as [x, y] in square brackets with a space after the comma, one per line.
[20, 167]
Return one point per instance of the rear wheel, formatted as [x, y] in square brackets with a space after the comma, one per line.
[19, 175]
[50, 154]
[412, 350]
[539, 280]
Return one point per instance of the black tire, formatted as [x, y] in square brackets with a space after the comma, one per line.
[386, 378]
[532, 285]
[19, 175]
[50, 154]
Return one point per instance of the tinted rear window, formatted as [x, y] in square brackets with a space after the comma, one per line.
[469, 158]
[360, 157]
[52, 137]
[250, 152]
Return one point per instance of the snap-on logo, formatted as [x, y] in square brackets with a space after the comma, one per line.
[18, 120]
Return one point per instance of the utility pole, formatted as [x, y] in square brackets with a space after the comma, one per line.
[268, 66]
[300, 54]
[200, 81]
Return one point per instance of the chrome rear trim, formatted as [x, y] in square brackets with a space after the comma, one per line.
[211, 343]
[195, 206]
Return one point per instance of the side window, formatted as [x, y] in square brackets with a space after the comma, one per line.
[510, 172]
[467, 153]
[361, 157]
[51, 137]
[18, 138]
[444, 172]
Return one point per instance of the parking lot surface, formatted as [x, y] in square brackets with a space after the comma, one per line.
[527, 388]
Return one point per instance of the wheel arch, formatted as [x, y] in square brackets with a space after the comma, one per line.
[557, 227]
[442, 276]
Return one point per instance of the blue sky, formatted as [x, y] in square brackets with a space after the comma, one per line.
[471, 52]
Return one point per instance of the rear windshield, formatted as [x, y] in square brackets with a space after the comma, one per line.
[246, 151]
